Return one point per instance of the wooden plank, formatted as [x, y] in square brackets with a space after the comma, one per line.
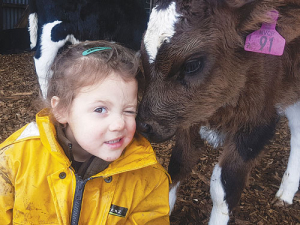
[23, 21]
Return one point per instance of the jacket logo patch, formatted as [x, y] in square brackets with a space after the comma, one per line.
[118, 211]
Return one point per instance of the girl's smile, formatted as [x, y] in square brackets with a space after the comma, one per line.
[115, 144]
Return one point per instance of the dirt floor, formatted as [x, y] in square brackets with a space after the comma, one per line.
[19, 89]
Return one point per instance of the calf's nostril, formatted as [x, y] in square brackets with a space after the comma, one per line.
[144, 127]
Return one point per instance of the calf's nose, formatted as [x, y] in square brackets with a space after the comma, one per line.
[143, 127]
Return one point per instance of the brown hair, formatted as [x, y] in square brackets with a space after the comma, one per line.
[71, 70]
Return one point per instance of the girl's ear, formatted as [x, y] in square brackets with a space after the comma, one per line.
[59, 114]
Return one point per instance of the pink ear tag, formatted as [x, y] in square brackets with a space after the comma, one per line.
[266, 40]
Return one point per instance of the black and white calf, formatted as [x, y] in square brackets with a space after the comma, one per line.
[221, 68]
[53, 23]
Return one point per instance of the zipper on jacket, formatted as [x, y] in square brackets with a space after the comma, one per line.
[80, 184]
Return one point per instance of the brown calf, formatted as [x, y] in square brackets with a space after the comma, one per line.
[200, 79]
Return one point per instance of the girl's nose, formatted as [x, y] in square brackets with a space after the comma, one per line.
[117, 123]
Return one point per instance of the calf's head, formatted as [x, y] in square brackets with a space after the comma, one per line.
[194, 62]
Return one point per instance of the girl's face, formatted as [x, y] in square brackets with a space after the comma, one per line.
[101, 120]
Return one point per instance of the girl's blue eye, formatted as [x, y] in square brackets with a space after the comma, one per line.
[100, 110]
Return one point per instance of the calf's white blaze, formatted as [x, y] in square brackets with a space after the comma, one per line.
[49, 50]
[290, 181]
[160, 29]
[220, 212]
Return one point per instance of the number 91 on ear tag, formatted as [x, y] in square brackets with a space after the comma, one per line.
[266, 40]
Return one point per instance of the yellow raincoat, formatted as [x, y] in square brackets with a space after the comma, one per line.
[37, 183]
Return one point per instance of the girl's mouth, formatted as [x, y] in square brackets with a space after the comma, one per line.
[113, 141]
[115, 144]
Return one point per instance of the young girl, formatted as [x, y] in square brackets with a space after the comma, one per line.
[81, 162]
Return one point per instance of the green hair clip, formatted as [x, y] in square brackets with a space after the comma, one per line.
[95, 49]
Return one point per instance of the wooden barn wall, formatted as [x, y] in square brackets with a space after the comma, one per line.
[11, 11]
[149, 5]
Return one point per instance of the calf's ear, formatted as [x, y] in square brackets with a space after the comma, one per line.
[249, 15]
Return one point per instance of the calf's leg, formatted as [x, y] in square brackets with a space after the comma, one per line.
[227, 183]
[185, 155]
[33, 28]
[290, 181]
[231, 173]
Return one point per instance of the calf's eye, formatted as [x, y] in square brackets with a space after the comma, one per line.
[192, 66]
